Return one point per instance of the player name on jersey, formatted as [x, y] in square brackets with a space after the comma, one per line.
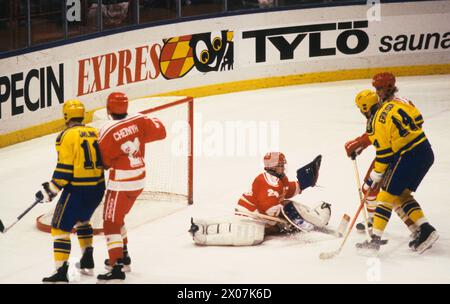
[124, 132]
[88, 134]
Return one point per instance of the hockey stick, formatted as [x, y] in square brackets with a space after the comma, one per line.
[361, 196]
[39, 198]
[332, 254]
[259, 216]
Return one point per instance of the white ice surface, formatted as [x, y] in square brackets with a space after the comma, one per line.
[313, 119]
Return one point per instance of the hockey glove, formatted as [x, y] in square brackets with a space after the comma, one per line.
[307, 175]
[49, 192]
[372, 183]
[372, 195]
[356, 146]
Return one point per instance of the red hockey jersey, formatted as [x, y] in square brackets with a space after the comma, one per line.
[122, 147]
[267, 194]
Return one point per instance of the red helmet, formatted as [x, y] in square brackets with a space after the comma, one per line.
[384, 81]
[117, 103]
[273, 159]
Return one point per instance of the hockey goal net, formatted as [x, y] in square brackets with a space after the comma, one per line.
[169, 163]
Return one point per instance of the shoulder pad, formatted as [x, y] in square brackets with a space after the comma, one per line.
[60, 136]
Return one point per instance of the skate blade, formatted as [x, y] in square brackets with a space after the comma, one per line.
[125, 268]
[428, 243]
[84, 271]
[87, 272]
[115, 281]
[55, 282]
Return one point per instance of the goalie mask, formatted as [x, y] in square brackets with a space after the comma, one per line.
[274, 163]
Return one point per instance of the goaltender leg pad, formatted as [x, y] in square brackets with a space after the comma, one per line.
[295, 213]
[227, 232]
[307, 175]
[293, 216]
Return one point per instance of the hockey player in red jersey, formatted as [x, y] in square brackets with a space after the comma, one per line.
[271, 188]
[266, 205]
[122, 146]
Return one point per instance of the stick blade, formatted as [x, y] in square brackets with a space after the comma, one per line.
[328, 255]
[2, 227]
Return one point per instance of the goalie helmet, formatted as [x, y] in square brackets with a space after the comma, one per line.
[365, 100]
[73, 108]
[117, 103]
[274, 159]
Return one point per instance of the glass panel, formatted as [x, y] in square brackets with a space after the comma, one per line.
[299, 2]
[153, 10]
[13, 25]
[116, 13]
[46, 21]
[201, 7]
[234, 5]
[82, 20]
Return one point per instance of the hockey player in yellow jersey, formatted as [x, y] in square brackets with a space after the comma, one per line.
[403, 157]
[368, 102]
[79, 174]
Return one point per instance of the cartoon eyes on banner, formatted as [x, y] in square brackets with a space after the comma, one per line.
[180, 54]
[217, 44]
[204, 57]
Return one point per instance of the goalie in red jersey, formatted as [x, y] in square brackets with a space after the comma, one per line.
[122, 146]
[266, 205]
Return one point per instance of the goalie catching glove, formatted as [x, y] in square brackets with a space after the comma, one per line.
[48, 193]
[307, 175]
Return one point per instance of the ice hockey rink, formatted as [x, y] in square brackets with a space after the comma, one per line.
[305, 120]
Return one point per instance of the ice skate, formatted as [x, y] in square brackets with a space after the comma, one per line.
[59, 277]
[361, 227]
[370, 248]
[115, 275]
[194, 227]
[426, 238]
[86, 264]
[413, 237]
[126, 263]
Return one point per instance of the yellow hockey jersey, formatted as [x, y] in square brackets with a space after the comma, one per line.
[394, 129]
[79, 160]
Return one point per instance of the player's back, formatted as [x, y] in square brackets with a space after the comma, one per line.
[79, 161]
[123, 141]
[397, 126]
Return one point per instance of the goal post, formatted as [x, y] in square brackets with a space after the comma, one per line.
[169, 163]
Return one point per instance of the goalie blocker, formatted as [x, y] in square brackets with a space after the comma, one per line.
[249, 231]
